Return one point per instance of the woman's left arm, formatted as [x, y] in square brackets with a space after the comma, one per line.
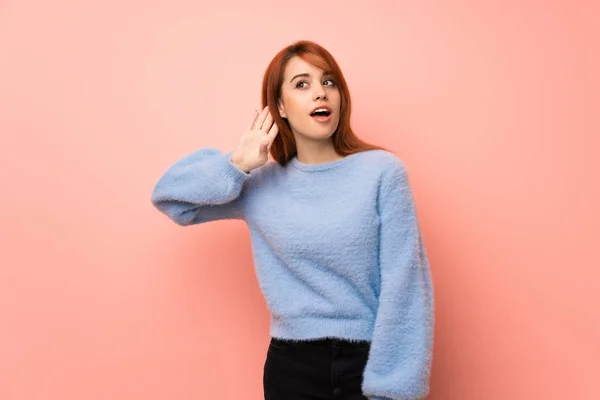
[400, 358]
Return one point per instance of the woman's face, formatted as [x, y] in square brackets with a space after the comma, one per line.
[305, 88]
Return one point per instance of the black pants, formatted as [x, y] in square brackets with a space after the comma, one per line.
[324, 369]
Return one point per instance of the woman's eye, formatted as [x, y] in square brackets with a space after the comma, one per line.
[301, 82]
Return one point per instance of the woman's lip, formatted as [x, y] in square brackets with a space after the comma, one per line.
[322, 118]
[321, 107]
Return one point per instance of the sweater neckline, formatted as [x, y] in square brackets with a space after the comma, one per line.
[294, 162]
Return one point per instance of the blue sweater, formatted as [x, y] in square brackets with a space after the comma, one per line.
[337, 251]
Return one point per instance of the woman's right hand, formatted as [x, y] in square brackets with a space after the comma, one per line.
[253, 147]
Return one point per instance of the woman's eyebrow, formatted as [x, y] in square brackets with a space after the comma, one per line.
[299, 75]
[326, 73]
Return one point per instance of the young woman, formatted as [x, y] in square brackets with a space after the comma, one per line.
[335, 236]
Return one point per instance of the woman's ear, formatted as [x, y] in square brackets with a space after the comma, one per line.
[281, 110]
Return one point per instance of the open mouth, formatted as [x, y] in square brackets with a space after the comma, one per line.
[320, 113]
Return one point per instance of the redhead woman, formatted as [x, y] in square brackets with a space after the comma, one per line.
[336, 242]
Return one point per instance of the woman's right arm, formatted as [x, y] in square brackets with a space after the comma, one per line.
[207, 185]
[203, 186]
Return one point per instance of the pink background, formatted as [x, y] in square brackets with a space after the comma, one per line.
[493, 106]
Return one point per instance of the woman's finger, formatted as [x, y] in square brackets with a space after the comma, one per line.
[268, 122]
[253, 121]
[264, 147]
[261, 118]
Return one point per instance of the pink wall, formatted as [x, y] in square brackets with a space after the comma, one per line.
[492, 105]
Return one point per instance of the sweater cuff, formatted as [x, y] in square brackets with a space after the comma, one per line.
[232, 170]
[235, 166]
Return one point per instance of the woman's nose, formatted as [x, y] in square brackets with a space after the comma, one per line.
[320, 95]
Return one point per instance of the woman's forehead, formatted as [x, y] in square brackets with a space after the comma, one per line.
[296, 66]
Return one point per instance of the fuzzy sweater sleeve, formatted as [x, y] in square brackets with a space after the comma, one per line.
[200, 187]
[400, 358]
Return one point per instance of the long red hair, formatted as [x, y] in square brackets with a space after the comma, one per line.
[345, 142]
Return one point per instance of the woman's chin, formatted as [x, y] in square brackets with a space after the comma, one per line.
[322, 135]
[313, 137]
[318, 133]
[324, 132]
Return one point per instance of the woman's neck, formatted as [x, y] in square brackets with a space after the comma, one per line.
[317, 152]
